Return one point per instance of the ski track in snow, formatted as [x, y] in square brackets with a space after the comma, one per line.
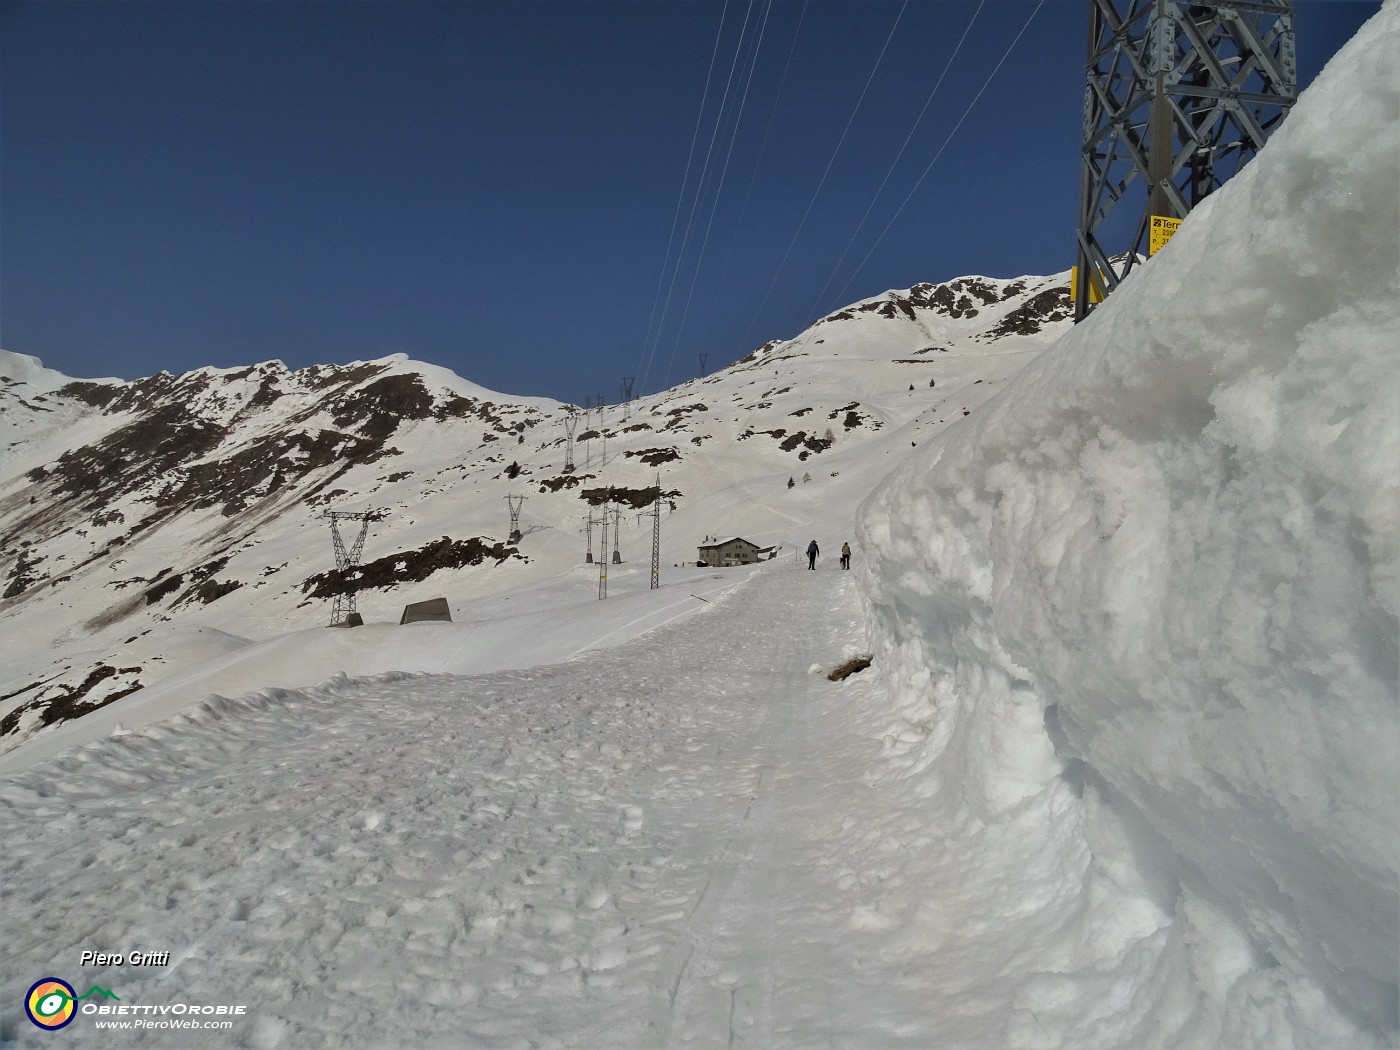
[567, 856]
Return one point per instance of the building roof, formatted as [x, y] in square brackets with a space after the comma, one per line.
[732, 539]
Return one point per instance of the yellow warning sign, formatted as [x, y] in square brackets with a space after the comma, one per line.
[1162, 229]
[1096, 287]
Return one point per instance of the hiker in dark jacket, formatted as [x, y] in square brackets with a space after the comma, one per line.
[812, 552]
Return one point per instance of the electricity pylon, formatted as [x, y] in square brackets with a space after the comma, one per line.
[344, 606]
[570, 425]
[656, 537]
[1180, 96]
[603, 559]
[617, 532]
[515, 503]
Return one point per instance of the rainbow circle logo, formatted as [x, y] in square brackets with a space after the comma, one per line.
[50, 1003]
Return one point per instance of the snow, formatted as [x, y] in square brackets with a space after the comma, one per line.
[627, 849]
[1170, 549]
[1120, 777]
[28, 371]
[540, 624]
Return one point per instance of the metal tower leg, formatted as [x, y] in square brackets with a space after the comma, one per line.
[1179, 96]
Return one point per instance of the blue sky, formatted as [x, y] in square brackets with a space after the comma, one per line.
[501, 188]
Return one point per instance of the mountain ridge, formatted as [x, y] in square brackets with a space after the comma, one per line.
[126, 506]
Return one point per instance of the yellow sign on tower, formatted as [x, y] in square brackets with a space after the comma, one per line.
[1163, 227]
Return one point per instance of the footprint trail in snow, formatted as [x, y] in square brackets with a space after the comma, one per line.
[625, 850]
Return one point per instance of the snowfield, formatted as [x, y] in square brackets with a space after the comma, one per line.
[1122, 775]
[1159, 572]
[615, 851]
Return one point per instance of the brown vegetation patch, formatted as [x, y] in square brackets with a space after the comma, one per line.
[774, 434]
[408, 566]
[70, 701]
[22, 575]
[810, 444]
[265, 395]
[165, 585]
[98, 395]
[1041, 309]
[378, 408]
[685, 410]
[213, 590]
[852, 666]
[634, 498]
[322, 376]
[766, 348]
[564, 481]
[131, 455]
[654, 457]
[265, 466]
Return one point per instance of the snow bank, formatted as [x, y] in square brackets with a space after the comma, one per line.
[1159, 575]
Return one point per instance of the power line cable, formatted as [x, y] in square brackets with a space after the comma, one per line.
[680, 197]
[900, 210]
[800, 341]
[762, 152]
[699, 194]
[898, 156]
[719, 190]
[827, 171]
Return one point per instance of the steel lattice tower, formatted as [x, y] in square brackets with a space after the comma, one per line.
[617, 534]
[656, 538]
[344, 605]
[570, 425]
[627, 382]
[515, 503]
[603, 559]
[1178, 96]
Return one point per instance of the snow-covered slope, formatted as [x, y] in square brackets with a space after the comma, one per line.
[133, 513]
[1121, 777]
[1142, 608]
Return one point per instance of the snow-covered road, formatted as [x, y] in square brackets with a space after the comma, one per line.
[633, 849]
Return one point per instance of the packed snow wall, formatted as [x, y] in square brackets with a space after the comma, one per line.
[1162, 570]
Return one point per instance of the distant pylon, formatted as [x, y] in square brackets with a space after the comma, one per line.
[515, 503]
[656, 537]
[570, 425]
[344, 606]
[627, 382]
[703, 358]
[603, 559]
[1179, 95]
[588, 530]
[617, 532]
